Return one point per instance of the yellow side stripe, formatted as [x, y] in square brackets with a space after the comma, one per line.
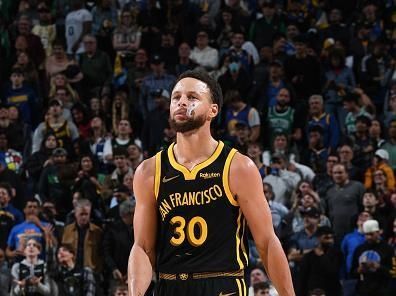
[157, 177]
[243, 243]
[238, 241]
[244, 287]
[238, 281]
[226, 175]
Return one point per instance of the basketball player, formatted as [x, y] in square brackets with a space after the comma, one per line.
[193, 203]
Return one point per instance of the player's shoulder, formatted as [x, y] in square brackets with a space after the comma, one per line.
[241, 164]
[146, 168]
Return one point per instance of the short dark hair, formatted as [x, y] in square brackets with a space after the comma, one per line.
[68, 247]
[30, 199]
[215, 89]
[260, 286]
[7, 187]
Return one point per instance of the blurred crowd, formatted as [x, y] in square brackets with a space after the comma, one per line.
[310, 97]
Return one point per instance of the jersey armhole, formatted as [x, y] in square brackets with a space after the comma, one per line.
[226, 177]
[157, 176]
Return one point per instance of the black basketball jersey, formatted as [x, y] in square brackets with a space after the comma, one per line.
[200, 225]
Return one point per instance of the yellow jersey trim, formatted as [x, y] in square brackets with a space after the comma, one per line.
[244, 287]
[226, 175]
[243, 243]
[238, 241]
[238, 281]
[157, 177]
[191, 175]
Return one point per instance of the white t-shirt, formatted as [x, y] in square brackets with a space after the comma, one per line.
[74, 27]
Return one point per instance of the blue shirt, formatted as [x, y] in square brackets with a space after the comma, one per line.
[301, 241]
[348, 246]
[25, 230]
[18, 216]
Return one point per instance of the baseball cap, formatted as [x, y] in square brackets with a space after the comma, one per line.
[156, 59]
[161, 93]
[59, 152]
[311, 212]
[324, 230]
[241, 124]
[370, 226]
[121, 189]
[381, 153]
[55, 102]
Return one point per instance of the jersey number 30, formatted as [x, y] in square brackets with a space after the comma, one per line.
[181, 231]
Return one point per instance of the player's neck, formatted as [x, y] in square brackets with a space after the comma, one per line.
[194, 148]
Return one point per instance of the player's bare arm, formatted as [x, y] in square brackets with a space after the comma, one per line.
[246, 185]
[142, 257]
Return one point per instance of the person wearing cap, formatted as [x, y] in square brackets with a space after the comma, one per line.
[120, 194]
[158, 78]
[320, 267]
[65, 131]
[304, 241]
[118, 240]
[156, 122]
[372, 262]
[22, 96]
[45, 29]
[54, 181]
[272, 86]
[202, 54]
[380, 163]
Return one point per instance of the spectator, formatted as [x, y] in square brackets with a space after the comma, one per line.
[261, 289]
[77, 24]
[351, 104]
[45, 29]
[117, 242]
[202, 54]
[22, 96]
[156, 123]
[135, 156]
[127, 35]
[235, 78]
[257, 276]
[237, 51]
[255, 151]
[184, 62]
[81, 120]
[282, 180]
[95, 65]
[320, 267]
[30, 275]
[6, 194]
[343, 200]
[32, 227]
[64, 131]
[71, 280]
[389, 145]
[238, 111]
[304, 241]
[264, 29]
[345, 153]
[122, 140]
[372, 262]
[120, 290]
[5, 276]
[18, 134]
[158, 78]
[122, 167]
[85, 238]
[380, 163]
[278, 210]
[31, 76]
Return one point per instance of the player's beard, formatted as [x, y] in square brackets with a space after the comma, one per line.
[192, 123]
